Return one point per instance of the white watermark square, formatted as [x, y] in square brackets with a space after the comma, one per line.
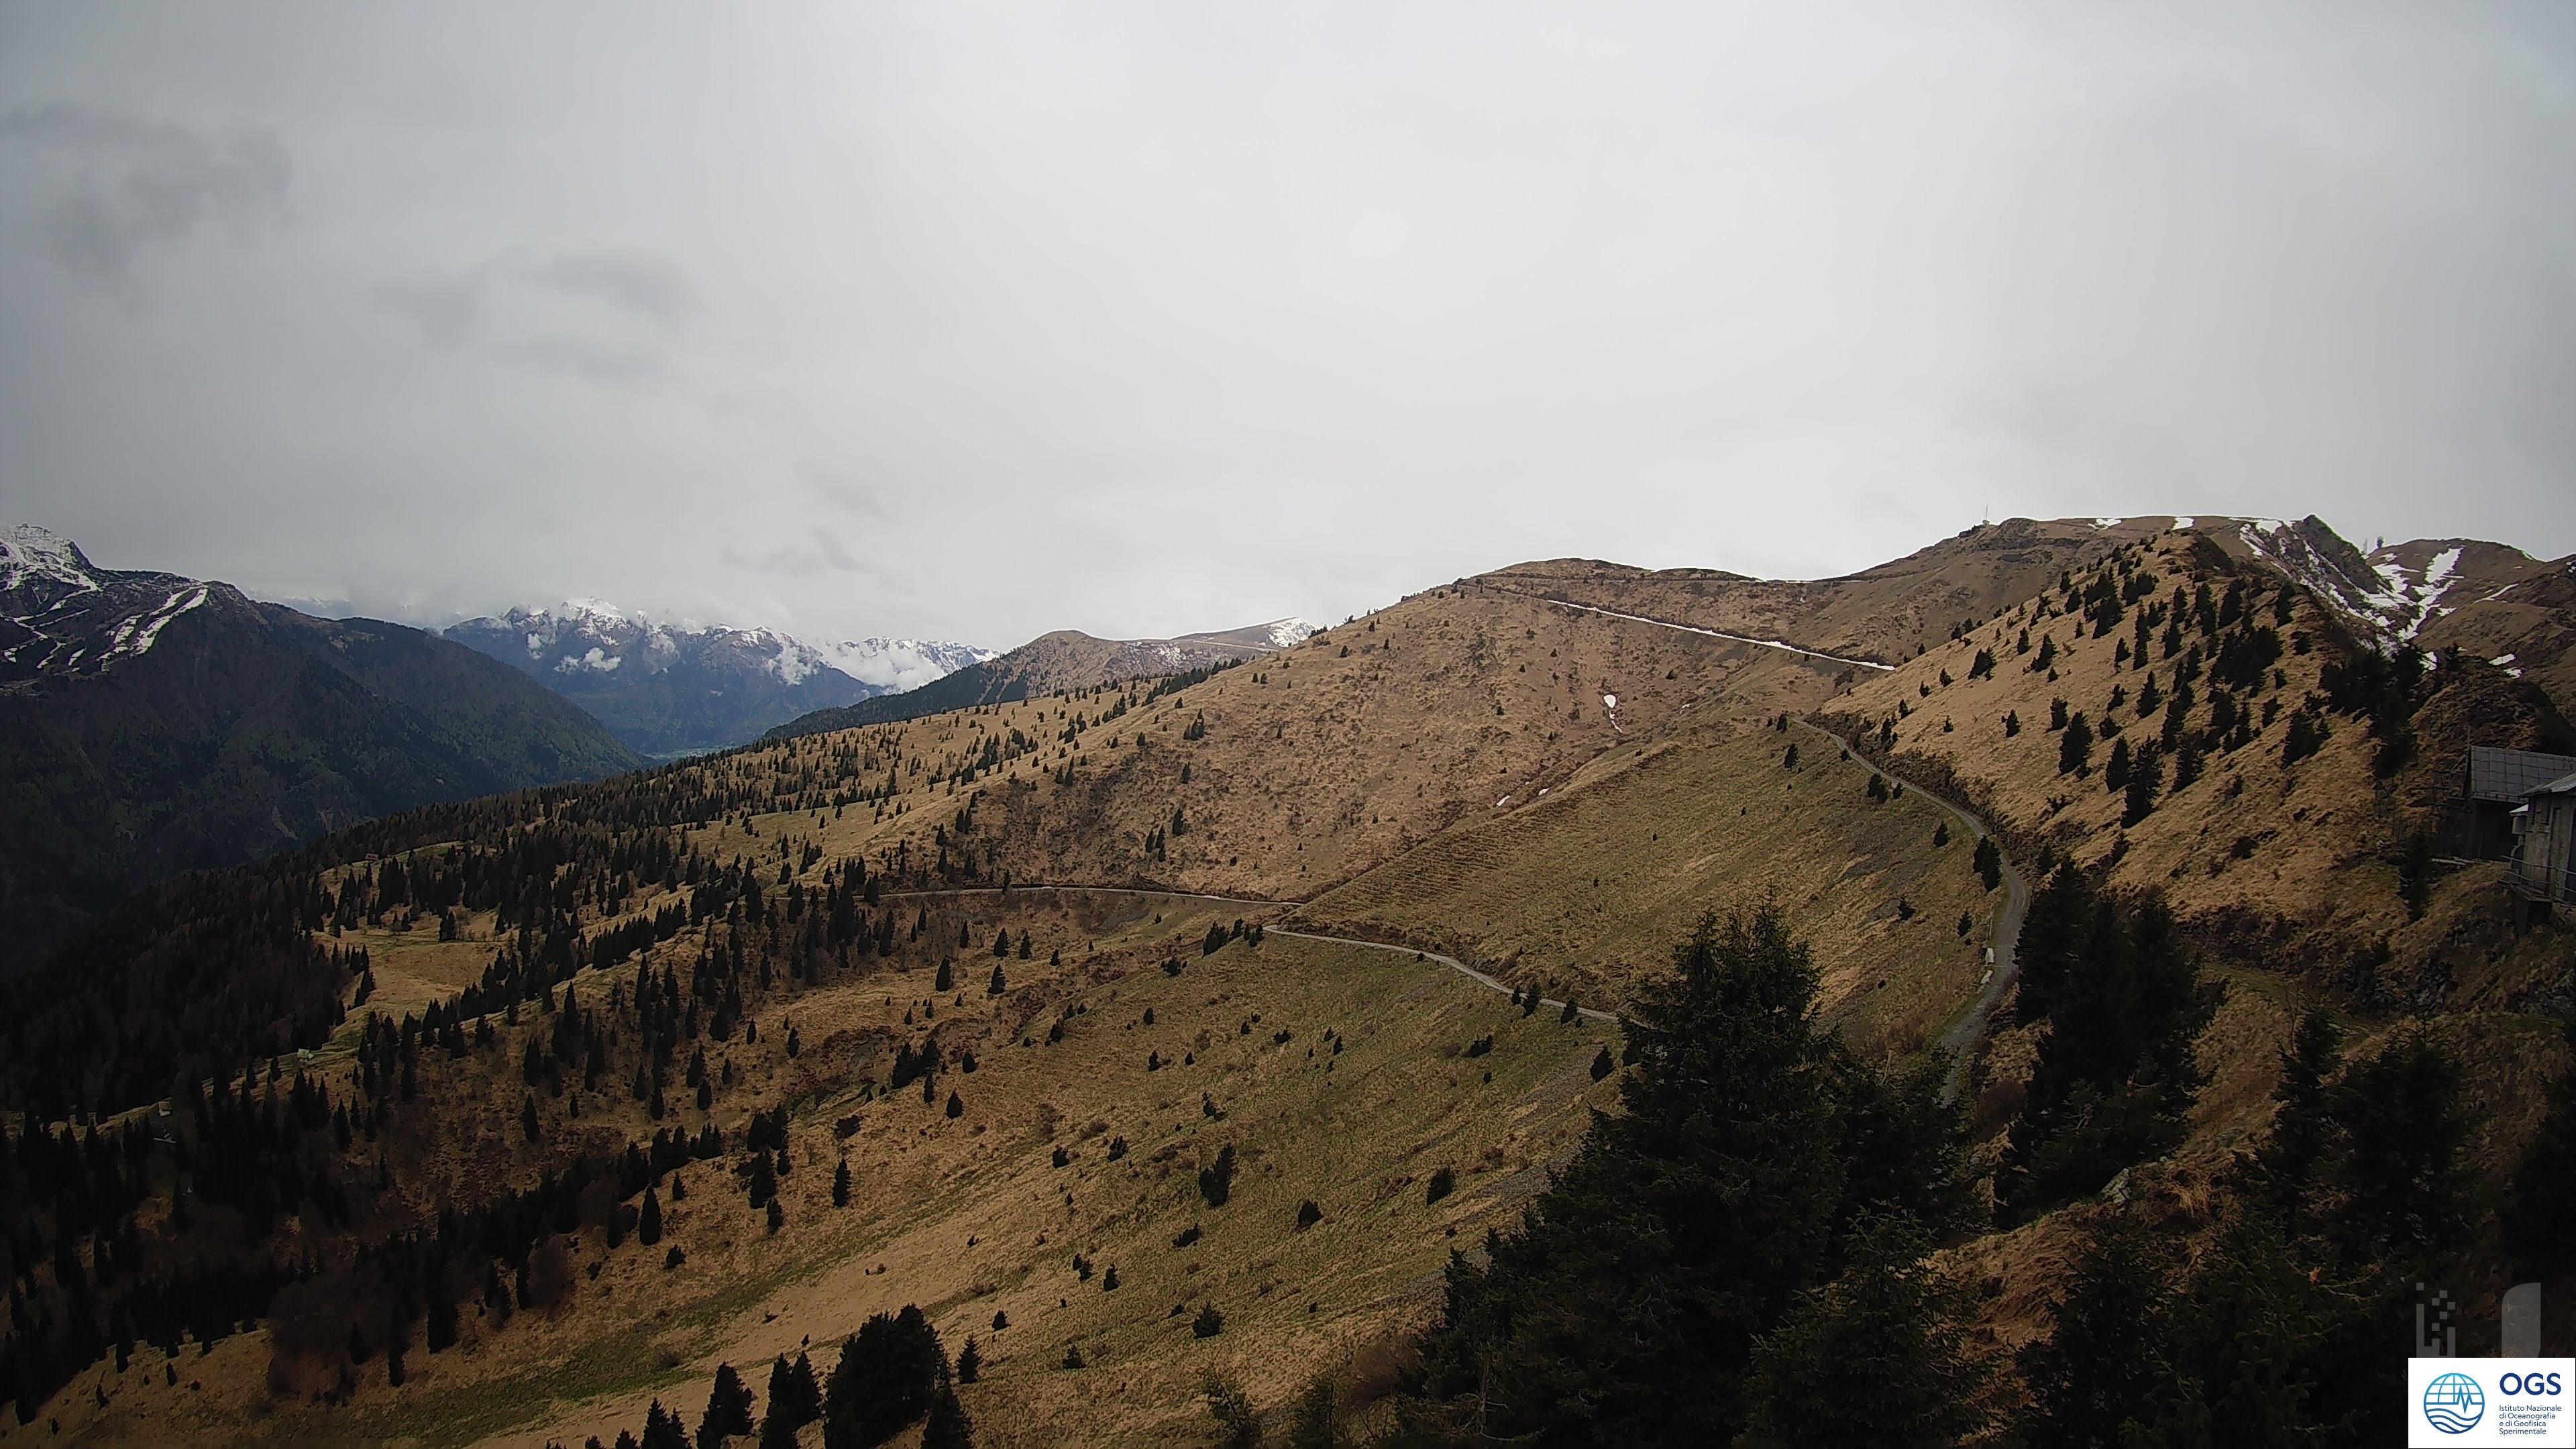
[2470, 1401]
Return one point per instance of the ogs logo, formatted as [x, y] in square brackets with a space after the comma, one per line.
[2528, 1384]
[2454, 1403]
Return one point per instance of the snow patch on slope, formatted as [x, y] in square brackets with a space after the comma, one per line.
[31, 554]
[2377, 591]
[137, 635]
[1289, 631]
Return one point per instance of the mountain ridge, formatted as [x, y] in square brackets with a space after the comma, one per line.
[1528, 769]
[673, 687]
[152, 723]
[1060, 660]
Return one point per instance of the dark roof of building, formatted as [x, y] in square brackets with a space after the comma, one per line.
[2511, 774]
[2566, 786]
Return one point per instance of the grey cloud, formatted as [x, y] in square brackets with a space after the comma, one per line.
[845, 489]
[507, 295]
[821, 553]
[139, 183]
[590, 359]
[1151, 318]
[445, 306]
[639, 283]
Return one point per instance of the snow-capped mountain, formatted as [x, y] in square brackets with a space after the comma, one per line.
[2398, 592]
[896, 665]
[152, 723]
[61, 614]
[672, 688]
[1065, 659]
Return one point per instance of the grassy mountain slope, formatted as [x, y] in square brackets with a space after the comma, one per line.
[1583, 892]
[2289, 865]
[1442, 775]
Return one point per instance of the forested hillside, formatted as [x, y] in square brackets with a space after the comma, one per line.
[151, 724]
[1502, 1016]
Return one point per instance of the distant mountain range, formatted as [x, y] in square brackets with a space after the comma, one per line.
[151, 724]
[672, 689]
[1065, 659]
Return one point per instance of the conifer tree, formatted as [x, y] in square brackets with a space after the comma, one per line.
[2302, 1124]
[2391, 1169]
[728, 1409]
[2537, 1221]
[1627, 1303]
[886, 1377]
[947, 1426]
[1216, 1180]
[2092, 1379]
[795, 1400]
[2115, 1073]
[1894, 1313]
[2251, 1344]
[1989, 862]
[648, 1223]
[665, 1429]
[2146, 779]
[2075, 747]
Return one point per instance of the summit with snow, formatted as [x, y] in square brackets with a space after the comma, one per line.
[675, 687]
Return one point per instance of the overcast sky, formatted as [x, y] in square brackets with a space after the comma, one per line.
[972, 321]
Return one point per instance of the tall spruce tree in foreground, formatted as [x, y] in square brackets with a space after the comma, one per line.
[2284, 1170]
[1877, 1357]
[1627, 1305]
[2115, 1075]
[2092, 1379]
[2279, 1333]
[2537, 1212]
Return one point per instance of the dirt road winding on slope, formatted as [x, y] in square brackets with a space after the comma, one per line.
[1452, 962]
[1960, 1037]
